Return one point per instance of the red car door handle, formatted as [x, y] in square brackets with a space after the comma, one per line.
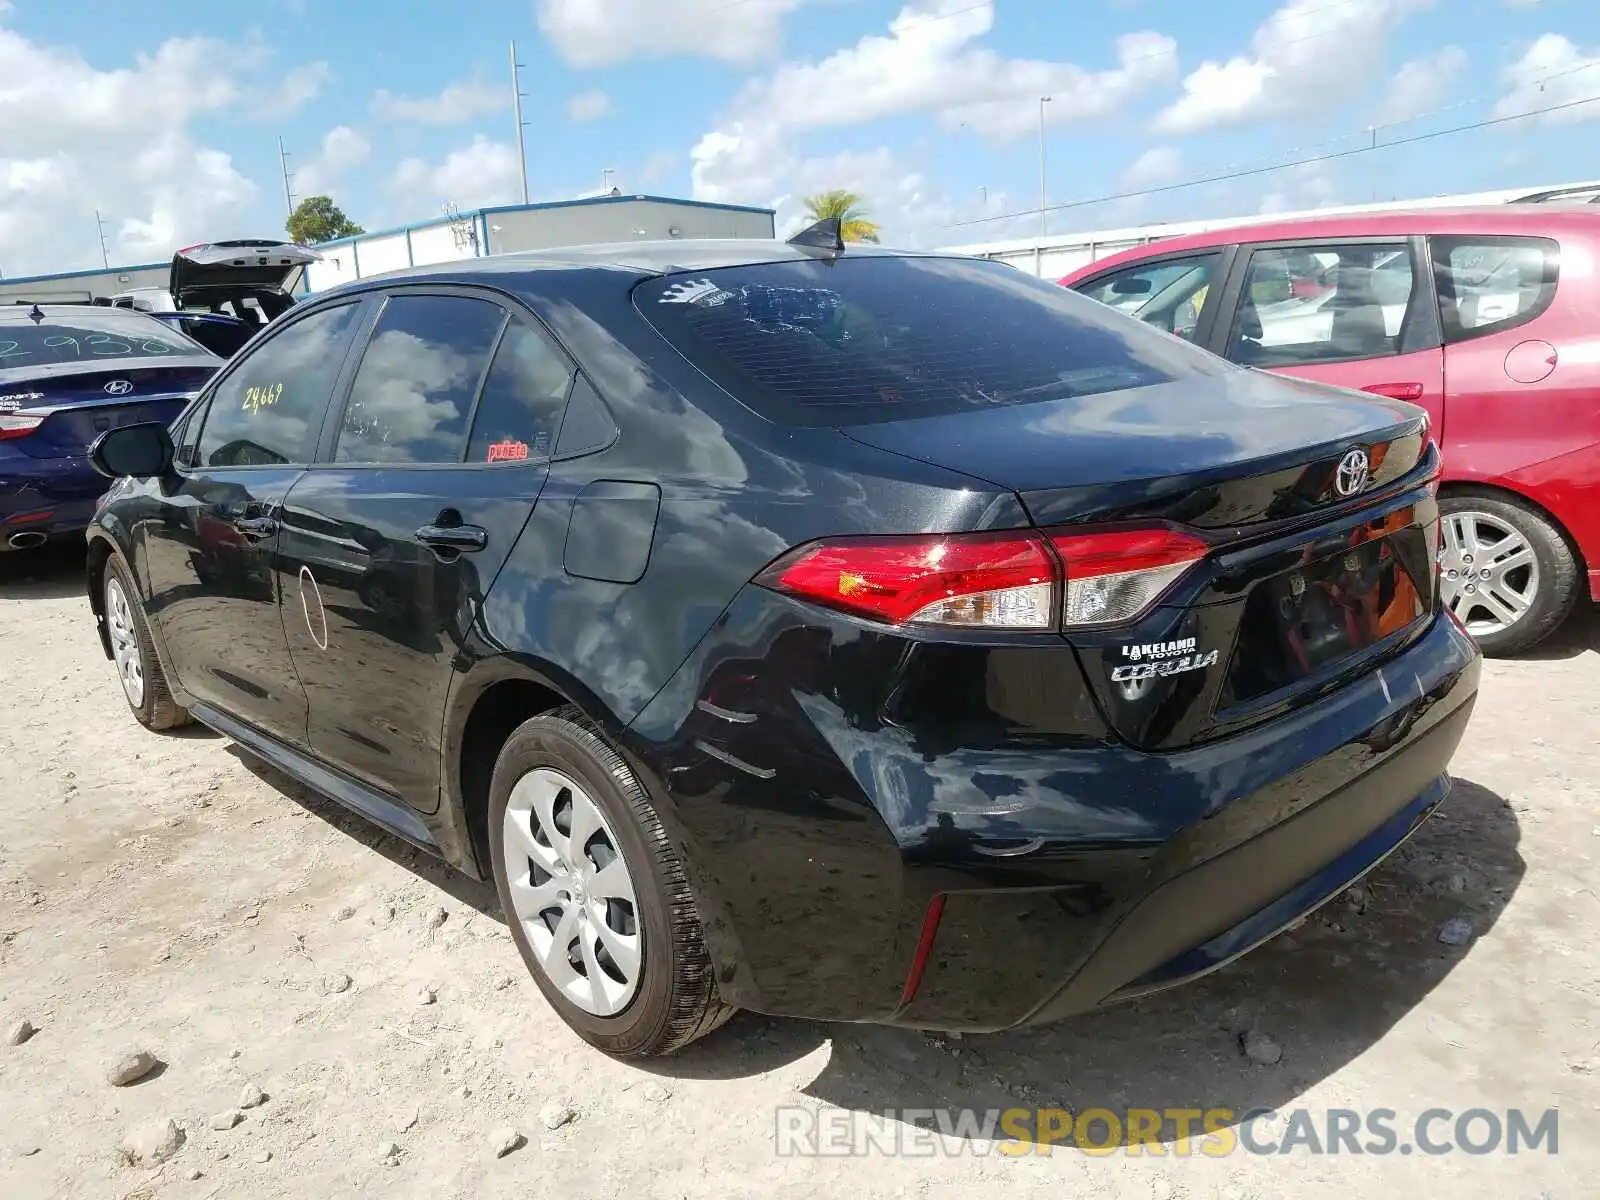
[1396, 391]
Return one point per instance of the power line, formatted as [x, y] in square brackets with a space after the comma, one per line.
[1284, 166]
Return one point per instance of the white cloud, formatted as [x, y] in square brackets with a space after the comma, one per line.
[1422, 84]
[927, 63]
[589, 106]
[482, 173]
[1307, 185]
[457, 103]
[1554, 71]
[78, 138]
[658, 168]
[342, 150]
[595, 33]
[1156, 166]
[1309, 53]
[299, 86]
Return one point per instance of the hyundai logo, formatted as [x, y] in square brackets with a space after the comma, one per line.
[118, 387]
[1351, 476]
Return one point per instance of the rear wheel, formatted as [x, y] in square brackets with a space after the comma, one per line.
[1506, 571]
[144, 685]
[595, 894]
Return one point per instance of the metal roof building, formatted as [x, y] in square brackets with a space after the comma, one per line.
[504, 229]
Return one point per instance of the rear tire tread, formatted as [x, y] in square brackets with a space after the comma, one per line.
[696, 1007]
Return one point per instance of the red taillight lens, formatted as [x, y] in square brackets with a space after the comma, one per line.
[991, 580]
[1117, 575]
[18, 425]
[984, 581]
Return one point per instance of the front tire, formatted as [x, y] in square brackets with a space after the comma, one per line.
[595, 893]
[1506, 571]
[144, 684]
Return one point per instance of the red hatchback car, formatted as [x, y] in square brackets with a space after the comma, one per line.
[1489, 318]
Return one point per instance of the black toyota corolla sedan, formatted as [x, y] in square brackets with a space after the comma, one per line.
[822, 631]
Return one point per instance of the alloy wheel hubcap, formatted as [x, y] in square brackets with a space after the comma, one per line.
[1488, 572]
[124, 643]
[572, 893]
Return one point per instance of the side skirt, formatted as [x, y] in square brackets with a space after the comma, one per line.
[381, 810]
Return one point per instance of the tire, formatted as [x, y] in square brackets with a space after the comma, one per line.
[151, 700]
[1548, 583]
[553, 764]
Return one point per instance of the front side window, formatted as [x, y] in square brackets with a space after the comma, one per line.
[413, 393]
[1169, 294]
[1321, 304]
[270, 409]
[1488, 284]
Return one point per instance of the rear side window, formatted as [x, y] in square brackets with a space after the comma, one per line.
[269, 410]
[882, 338]
[523, 398]
[1492, 284]
[412, 395]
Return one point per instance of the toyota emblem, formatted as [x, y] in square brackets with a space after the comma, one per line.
[118, 387]
[1352, 473]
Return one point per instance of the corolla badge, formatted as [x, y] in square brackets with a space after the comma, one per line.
[118, 387]
[1352, 473]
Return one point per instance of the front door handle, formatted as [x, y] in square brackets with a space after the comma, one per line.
[256, 527]
[461, 538]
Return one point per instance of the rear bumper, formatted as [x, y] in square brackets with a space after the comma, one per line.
[48, 496]
[822, 821]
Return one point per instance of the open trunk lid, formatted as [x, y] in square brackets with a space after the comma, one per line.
[259, 264]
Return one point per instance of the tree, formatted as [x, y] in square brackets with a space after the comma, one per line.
[318, 219]
[848, 208]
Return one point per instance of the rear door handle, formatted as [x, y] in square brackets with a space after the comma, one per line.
[256, 527]
[461, 538]
[1396, 391]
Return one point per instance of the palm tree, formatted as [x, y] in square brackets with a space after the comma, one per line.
[854, 224]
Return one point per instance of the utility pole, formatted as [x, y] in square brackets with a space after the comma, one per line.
[1044, 217]
[1372, 163]
[605, 179]
[100, 228]
[516, 105]
[283, 160]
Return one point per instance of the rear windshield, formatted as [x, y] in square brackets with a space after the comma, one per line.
[875, 339]
[89, 336]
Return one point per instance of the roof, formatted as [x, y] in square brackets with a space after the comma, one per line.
[14, 311]
[641, 258]
[1531, 220]
[581, 202]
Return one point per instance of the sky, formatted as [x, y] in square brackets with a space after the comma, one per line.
[166, 118]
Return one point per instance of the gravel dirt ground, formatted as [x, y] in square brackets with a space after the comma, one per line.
[168, 894]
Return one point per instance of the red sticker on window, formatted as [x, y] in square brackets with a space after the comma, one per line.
[508, 451]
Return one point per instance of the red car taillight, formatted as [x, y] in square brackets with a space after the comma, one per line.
[1024, 580]
[18, 425]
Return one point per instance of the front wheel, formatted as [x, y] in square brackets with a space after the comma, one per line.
[144, 685]
[595, 893]
[1505, 571]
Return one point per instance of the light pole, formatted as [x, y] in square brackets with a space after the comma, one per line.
[1044, 217]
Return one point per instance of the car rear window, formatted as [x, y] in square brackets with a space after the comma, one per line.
[96, 334]
[883, 338]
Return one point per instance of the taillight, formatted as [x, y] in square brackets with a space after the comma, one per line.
[1014, 581]
[18, 425]
[984, 581]
[1117, 576]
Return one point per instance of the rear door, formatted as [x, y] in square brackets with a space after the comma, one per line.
[211, 559]
[1354, 312]
[427, 475]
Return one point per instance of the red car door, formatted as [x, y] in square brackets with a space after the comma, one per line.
[1355, 312]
